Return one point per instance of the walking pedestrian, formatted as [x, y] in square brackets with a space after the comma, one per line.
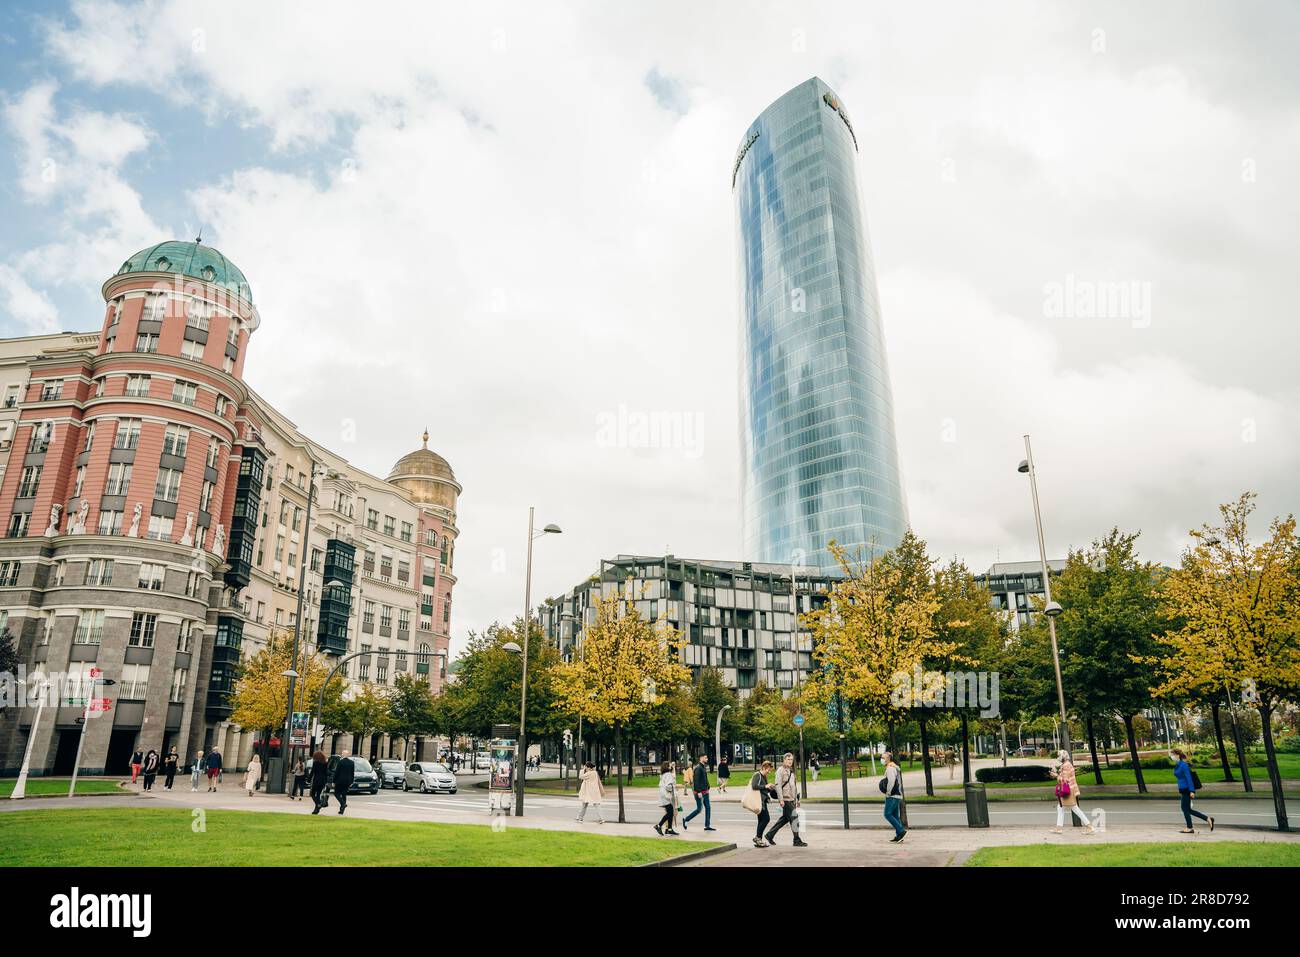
[299, 778]
[591, 792]
[253, 776]
[214, 768]
[893, 788]
[137, 762]
[343, 775]
[814, 766]
[667, 798]
[150, 769]
[1189, 783]
[700, 788]
[1067, 794]
[787, 788]
[196, 770]
[320, 776]
[724, 774]
[169, 769]
[765, 793]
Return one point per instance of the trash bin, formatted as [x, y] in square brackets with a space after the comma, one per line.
[977, 805]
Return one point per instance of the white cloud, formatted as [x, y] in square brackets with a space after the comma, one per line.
[486, 222]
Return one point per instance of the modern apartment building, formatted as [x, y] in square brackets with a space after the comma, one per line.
[819, 458]
[1015, 585]
[154, 514]
[738, 617]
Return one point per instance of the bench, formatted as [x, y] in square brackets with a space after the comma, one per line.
[648, 771]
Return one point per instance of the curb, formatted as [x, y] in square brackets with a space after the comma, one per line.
[88, 794]
[692, 856]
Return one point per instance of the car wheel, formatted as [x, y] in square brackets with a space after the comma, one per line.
[452, 791]
[424, 788]
[375, 791]
[405, 786]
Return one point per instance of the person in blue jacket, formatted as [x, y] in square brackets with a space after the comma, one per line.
[1187, 791]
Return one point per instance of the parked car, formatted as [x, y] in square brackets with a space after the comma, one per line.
[364, 777]
[391, 772]
[482, 761]
[426, 776]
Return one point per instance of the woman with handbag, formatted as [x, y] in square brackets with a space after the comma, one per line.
[755, 801]
[1188, 784]
[667, 798]
[1067, 795]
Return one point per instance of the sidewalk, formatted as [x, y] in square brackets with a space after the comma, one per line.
[926, 846]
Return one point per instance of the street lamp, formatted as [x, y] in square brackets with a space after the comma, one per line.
[717, 734]
[523, 683]
[1051, 609]
[276, 780]
[20, 786]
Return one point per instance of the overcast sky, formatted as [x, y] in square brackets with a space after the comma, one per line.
[514, 225]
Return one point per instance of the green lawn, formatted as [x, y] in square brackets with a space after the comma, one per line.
[163, 837]
[36, 786]
[1179, 854]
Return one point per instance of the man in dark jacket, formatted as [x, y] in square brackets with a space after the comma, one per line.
[343, 775]
[320, 779]
[700, 787]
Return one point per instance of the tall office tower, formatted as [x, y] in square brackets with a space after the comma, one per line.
[819, 457]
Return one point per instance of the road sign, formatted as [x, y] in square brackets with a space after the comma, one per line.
[798, 721]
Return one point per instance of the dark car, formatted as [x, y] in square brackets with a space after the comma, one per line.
[391, 772]
[364, 778]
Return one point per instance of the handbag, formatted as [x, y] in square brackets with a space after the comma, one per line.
[1063, 789]
[752, 801]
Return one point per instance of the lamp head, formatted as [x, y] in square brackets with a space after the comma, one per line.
[1023, 467]
[551, 530]
[1053, 609]
[512, 647]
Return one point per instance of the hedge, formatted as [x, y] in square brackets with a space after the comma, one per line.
[1013, 773]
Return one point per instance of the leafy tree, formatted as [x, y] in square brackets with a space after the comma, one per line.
[368, 713]
[261, 696]
[627, 665]
[410, 708]
[711, 693]
[8, 662]
[1237, 608]
[878, 625]
[489, 677]
[1111, 608]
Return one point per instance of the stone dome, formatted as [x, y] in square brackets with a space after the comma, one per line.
[426, 477]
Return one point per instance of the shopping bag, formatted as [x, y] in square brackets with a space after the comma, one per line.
[752, 801]
[800, 822]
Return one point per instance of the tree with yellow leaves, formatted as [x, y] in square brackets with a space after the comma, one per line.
[1235, 608]
[261, 696]
[626, 665]
[879, 624]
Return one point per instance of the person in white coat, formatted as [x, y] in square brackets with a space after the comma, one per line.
[253, 775]
[591, 792]
[667, 798]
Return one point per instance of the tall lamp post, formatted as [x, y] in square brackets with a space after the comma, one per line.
[523, 683]
[20, 786]
[717, 734]
[1051, 609]
[278, 776]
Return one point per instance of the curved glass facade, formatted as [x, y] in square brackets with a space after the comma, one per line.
[819, 456]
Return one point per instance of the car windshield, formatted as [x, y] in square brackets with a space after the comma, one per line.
[391, 765]
[361, 764]
[436, 768]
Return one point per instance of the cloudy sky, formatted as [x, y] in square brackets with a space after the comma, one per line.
[514, 225]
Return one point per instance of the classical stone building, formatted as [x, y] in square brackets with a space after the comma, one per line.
[154, 513]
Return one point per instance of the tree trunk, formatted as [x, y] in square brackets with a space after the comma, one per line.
[965, 749]
[1003, 727]
[618, 751]
[1218, 738]
[893, 744]
[1092, 745]
[1133, 754]
[925, 757]
[1242, 761]
[1270, 756]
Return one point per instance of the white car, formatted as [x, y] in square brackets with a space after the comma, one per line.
[482, 761]
[426, 776]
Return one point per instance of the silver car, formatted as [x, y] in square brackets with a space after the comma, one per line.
[426, 776]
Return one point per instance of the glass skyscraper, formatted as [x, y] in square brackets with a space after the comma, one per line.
[819, 456]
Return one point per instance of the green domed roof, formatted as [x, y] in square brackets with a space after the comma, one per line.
[190, 259]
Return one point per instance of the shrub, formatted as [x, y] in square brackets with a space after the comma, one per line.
[1013, 773]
